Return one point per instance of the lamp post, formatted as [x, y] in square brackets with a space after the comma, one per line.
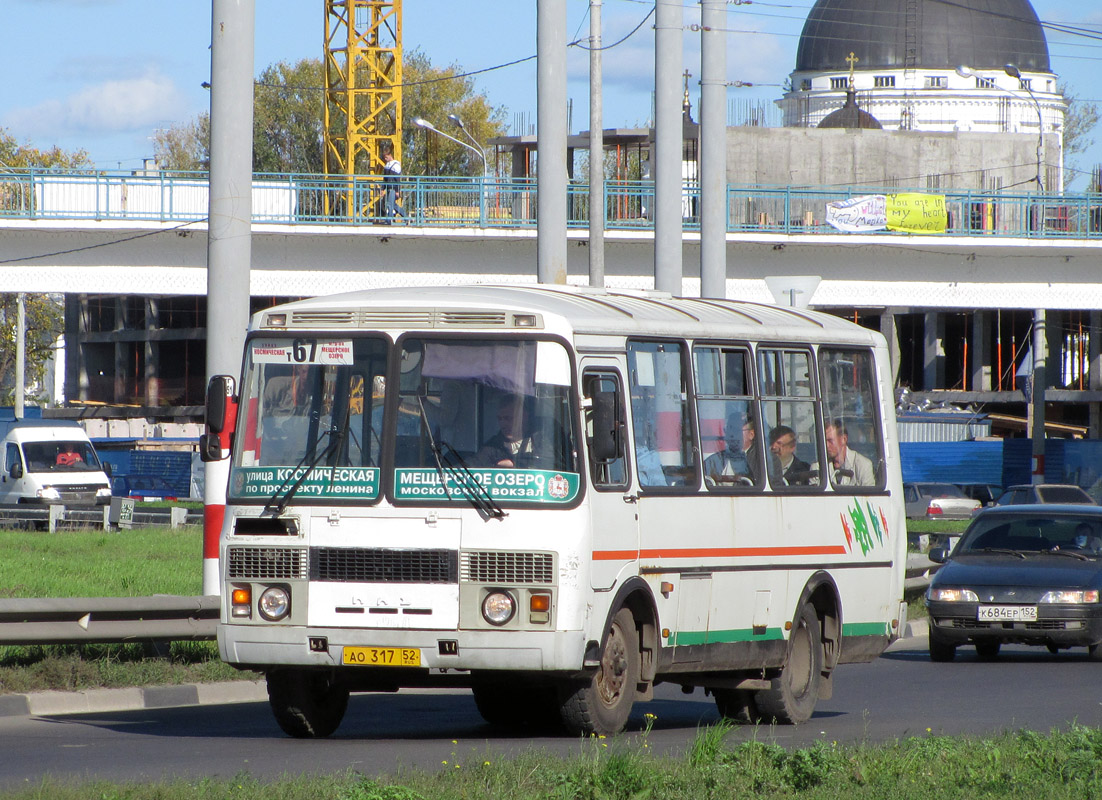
[482, 150]
[1014, 72]
[421, 122]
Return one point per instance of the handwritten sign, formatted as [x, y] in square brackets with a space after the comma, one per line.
[917, 213]
[905, 212]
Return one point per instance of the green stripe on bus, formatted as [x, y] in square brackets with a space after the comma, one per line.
[684, 638]
[866, 629]
[681, 638]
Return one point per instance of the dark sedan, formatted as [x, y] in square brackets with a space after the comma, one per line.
[1020, 574]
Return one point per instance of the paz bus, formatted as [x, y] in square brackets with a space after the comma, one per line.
[558, 498]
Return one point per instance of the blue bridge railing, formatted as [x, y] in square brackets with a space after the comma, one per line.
[493, 202]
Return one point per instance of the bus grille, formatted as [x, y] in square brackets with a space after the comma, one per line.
[379, 565]
[491, 566]
[266, 563]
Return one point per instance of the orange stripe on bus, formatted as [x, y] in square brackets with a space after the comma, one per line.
[720, 552]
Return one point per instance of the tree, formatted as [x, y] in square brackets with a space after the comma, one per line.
[14, 155]
[45, 323]
[184, 147]
[288, 115]
[1080, 119]
[432, 93]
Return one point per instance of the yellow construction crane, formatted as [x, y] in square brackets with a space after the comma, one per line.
[363, 89]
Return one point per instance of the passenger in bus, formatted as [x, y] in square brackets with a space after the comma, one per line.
[847, 466]
[731, 465]
[786, 469]
[514, 444]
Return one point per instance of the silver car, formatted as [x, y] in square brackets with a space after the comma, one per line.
[937, 501]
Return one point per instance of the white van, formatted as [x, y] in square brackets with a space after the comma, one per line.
[50, 461]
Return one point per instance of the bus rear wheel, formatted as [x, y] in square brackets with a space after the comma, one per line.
[737, 705]
[603, 704]
[791, 698]
[307, 704]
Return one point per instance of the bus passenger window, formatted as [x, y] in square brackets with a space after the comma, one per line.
[727, 416]
[664, 451]
[790, 418]
[854, 443]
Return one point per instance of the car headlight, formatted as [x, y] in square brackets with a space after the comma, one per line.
[1070, 596]
[103, 492]
[498, 607]
[274, 603]
[49, 493]
[947, 595]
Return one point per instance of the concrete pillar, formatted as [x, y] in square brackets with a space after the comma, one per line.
[1037, 406]
[979, 353]
[933, 370]
[1094, 373]
[152, 352]
[891, 333]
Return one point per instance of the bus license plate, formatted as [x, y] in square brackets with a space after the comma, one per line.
[381, 657]
[1007, 613]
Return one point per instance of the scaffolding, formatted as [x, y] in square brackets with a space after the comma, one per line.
[363, 91]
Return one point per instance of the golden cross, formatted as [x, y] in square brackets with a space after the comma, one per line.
[852, 59]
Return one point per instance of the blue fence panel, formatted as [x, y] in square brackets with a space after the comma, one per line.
[952, 462]
[172, 465]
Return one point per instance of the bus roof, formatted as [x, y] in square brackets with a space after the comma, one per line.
[582, 310]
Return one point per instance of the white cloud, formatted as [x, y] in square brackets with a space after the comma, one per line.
[109, 107]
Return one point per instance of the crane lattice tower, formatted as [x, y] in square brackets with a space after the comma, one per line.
[363, 85]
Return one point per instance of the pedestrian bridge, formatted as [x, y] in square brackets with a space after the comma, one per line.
[104, 232]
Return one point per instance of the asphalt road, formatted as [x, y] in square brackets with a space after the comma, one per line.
[902, 694]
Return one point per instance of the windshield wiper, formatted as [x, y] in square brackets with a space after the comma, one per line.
[1002, 550]
[277, 504]
[472, 489]
[1056, 551]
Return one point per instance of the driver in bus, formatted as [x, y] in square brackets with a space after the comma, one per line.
[513, 439]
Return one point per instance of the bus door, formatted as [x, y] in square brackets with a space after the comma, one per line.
[613, 517]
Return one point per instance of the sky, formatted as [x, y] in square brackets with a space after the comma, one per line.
[104, 75]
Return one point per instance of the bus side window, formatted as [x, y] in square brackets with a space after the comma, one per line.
[854, 442]
[665, 451]
[605, 427]
[790, 418]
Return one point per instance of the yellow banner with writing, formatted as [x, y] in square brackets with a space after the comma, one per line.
[917, 213]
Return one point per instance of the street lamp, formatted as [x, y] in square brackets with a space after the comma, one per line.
[1014, 72]
[420, 122]
[459, 124]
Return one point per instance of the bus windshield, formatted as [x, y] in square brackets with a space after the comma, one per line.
[313, 409]
[494, 407]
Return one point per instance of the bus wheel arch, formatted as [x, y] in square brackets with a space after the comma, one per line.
[626, 663]
[813, 651]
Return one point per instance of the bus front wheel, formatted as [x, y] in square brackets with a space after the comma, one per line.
[792, 696]
[603, 704]
[307, 704]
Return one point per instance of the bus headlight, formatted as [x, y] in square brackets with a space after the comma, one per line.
[274, 603]
[498, 607]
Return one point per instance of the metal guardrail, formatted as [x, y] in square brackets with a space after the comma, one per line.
[86, 620]
[57, 517]
[500, 202]
[165, 618]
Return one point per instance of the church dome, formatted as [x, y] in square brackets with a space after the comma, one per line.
[850, 116]
[922, 34]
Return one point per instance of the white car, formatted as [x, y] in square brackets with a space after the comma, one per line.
[938, 501]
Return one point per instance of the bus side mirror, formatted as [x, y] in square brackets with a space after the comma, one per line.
[606, 442]
[219, 396]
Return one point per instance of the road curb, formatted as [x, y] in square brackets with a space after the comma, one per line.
[131, 699]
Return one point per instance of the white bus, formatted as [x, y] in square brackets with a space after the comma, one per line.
[557, 497]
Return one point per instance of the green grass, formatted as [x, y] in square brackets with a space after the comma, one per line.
[95, 563]
[1061, 764]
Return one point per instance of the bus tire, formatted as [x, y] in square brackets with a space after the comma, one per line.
[307, 704]
[737, 705]
[791, 698]
[603, 704]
